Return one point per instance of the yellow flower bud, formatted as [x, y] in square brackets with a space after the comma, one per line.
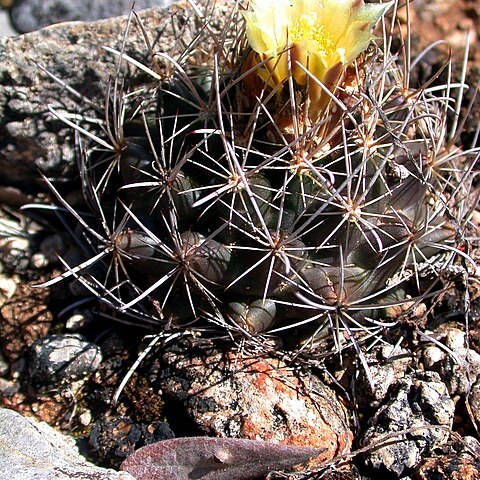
[322, 36]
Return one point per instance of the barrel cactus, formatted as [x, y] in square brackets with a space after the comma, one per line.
[280, 179]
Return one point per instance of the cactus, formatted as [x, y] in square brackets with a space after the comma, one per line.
[232, 199]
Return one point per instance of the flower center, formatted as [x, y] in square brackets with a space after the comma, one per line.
[305, 29]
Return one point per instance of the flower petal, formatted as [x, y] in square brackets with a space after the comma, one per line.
[267, 25]
[314, 35]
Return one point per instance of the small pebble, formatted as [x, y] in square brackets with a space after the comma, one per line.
[460, 369]
[57, 359]
[78, 321]
[432, 355]
[15, 254]
[39, 260]
[455, 339]
[385, 366]
[8, 388]
[85, 418]
[8, 287]
[114, 439]
[17, 244]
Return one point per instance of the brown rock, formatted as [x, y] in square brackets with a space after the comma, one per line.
[448, 468]
[342, 472]
[23, 319]
[474, 400]
[230, 395]
[445, 20]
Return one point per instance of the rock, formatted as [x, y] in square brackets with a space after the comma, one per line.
[474, 400]
[85, 418]
[24, 317]
[32, 138]
[8, 286]
[15, 253]
[433, 356]
[337, 472]
[386, 365]
[57, 359]
[461, 370]
[39, 260]
[106, 380]
[8, 388]
[258, 398]
[5, 24]
[448, 468]
[458, 366]
[30, 15]
[78, 320]
[112, 440]
[31, 450]
[418, 401]
[471, 446]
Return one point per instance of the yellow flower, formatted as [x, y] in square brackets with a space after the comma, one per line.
[324, 36]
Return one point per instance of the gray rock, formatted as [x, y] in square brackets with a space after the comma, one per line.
[462, 369]
[419, 404]
[15, 253]
[32, 138]
[31, 450]
[256, 398]
[57, 359]
[433, 356]
[386, 365]
[474, 401]
[8, 387]
[471, 446]
[30, 15]
[5, 26]
[458, 366]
